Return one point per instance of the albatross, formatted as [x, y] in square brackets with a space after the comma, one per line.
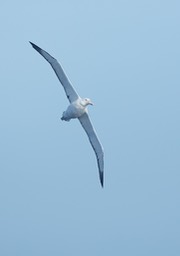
[76, 109]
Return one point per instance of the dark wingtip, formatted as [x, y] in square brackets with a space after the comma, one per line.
[101, 176]
[35, 46]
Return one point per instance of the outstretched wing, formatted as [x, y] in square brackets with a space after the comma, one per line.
[98, 149]
[69, 90]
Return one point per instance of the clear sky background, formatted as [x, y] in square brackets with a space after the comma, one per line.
[125, 56]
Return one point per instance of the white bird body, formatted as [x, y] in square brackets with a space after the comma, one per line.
[77, 109]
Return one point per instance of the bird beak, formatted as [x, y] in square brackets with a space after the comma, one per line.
[90, 103]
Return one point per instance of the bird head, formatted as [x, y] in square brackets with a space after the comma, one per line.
[86, 102]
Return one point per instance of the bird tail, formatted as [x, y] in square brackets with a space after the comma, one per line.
[64, 118]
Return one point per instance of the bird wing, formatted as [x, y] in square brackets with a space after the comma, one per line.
[98, 149]
[69, 90]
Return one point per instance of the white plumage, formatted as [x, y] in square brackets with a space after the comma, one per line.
[76, 109]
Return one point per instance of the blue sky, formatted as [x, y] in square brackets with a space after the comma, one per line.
[124, 55]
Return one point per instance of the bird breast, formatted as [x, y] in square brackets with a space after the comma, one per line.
[75, 110]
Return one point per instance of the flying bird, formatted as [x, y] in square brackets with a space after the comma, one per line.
[76, 109]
